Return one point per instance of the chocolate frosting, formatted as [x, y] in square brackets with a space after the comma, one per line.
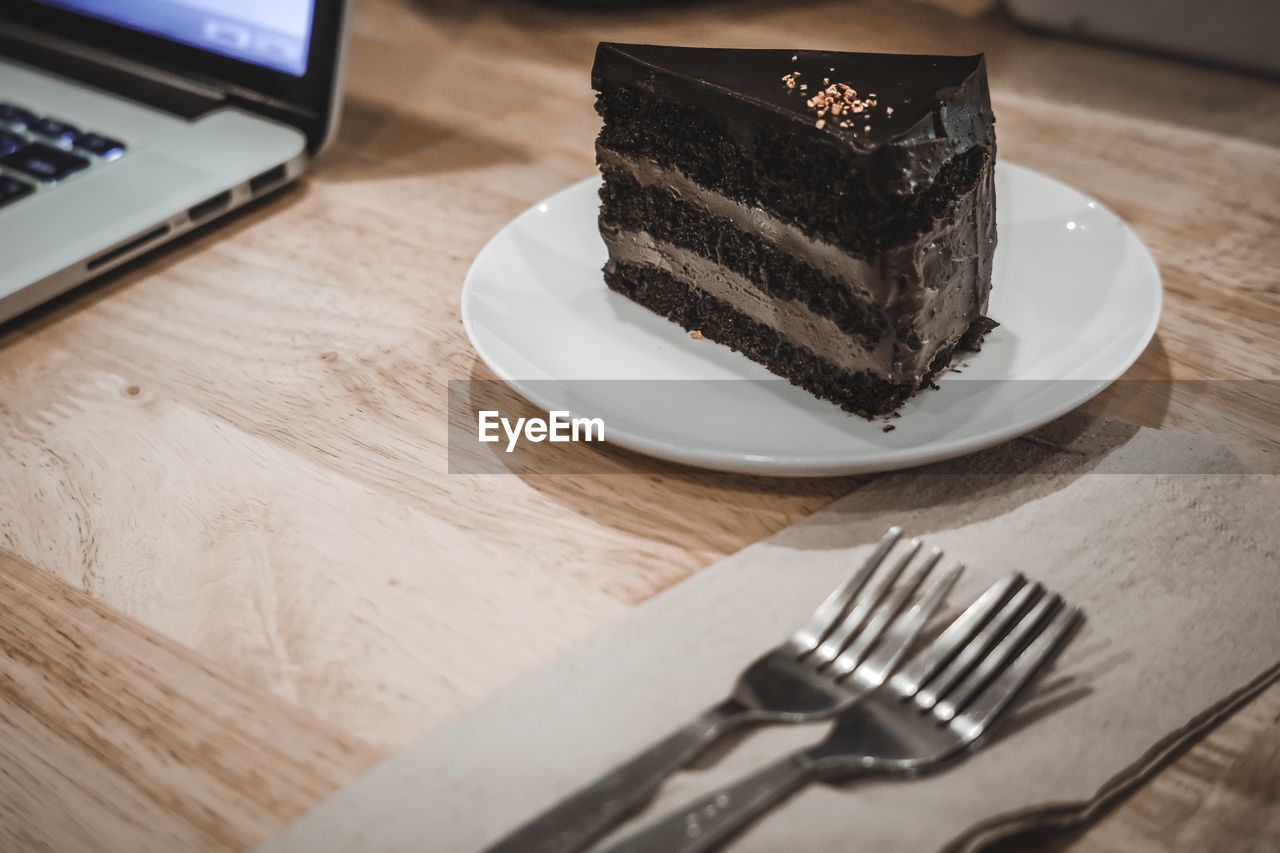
[940, 104]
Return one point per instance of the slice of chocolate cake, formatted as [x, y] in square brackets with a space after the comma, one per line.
[829, 215]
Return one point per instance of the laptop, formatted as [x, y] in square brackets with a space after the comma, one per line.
[126, 123]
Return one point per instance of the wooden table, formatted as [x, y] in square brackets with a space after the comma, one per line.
[233, 569]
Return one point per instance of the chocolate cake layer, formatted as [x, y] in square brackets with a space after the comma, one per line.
[855, 391]
[901, 311]
[782, 268]
[791, 319]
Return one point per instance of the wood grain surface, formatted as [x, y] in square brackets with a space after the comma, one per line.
[234, 570]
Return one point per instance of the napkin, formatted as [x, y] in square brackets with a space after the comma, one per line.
[1167, 542]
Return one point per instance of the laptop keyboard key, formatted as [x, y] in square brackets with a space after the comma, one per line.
[59, 131]
[102, 146]
[10, 142]
[12, 189]
[44, 162]
[16, 115]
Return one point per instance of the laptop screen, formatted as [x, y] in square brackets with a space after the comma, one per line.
[275, 34]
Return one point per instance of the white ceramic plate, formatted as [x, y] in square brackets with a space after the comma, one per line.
[1076, 293]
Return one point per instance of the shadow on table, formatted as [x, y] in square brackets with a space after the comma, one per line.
[375, 142]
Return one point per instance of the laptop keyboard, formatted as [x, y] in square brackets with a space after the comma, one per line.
[41, 151]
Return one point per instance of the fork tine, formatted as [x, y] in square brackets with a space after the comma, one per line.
[977, 648]
[996, 659]
[984, 711]
[828, 614]
[904, 632]
[848, 660]
[929, 660]
[876, 590]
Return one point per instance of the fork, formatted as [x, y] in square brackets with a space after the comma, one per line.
[847, 648]
[931, 712]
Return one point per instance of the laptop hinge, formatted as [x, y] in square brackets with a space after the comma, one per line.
[182, 95]
[104, 70]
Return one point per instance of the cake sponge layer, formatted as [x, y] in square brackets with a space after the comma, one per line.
[860, 392]
[627, 205]
[890, 317]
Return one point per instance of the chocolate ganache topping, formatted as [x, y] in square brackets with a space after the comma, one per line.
[928, 108]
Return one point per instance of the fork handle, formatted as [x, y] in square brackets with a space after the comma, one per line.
[706, 823]
[589, 813]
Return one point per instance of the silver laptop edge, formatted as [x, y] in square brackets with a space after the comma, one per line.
[176, 174]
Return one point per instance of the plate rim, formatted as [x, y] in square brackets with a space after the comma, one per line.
[799, 465]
